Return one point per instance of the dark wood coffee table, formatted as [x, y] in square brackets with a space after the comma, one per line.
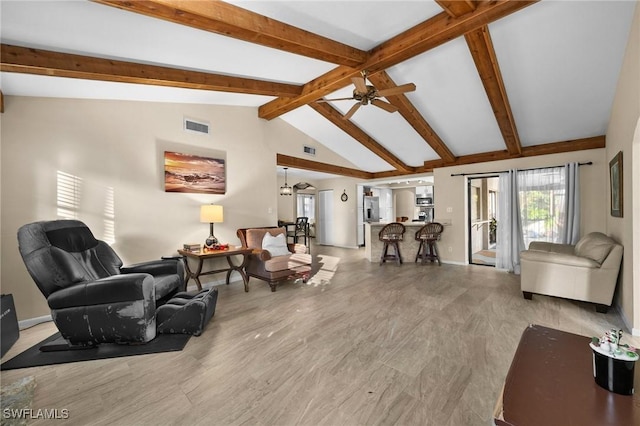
[551, 382]
[201, 256]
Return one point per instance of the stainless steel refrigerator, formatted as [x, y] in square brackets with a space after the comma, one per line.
[371, 209]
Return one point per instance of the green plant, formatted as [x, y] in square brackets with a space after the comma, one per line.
[493, 228]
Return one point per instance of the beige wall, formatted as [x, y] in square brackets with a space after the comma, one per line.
[119, 145]
[450, 192]
[620, 136]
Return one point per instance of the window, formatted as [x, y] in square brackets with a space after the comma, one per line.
[306, 206]
[541, 196]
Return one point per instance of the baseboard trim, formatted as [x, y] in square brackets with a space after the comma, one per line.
[625, 320]
[453, 262]
[33, 321]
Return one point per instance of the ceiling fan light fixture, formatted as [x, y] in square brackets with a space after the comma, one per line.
[365, 94]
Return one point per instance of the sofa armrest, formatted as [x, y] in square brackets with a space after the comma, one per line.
[113, 289]
[558, 258]
[261, 254]
[551, 247]
[155, 267]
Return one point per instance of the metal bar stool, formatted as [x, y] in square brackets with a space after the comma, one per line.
[428, 235]
[391, 235]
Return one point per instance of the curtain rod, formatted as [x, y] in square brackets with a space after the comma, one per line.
[588, 163]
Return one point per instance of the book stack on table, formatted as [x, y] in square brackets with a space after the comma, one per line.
[192, 247]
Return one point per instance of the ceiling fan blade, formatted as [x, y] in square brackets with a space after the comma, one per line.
[403, 88]
[360, 83]
[384, 105]
[352, 111]
[336, 99]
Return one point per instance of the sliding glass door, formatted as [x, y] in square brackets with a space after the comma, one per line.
[482, 210]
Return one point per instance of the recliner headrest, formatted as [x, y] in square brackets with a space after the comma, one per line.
[74, 239]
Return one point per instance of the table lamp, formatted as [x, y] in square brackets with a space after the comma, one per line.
[211, 214]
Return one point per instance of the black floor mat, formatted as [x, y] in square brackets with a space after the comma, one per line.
[33, 357]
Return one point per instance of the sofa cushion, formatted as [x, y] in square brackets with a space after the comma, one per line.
[256, 235]
[595, 246]
[291, 261]
[276, 245]
[275, 264]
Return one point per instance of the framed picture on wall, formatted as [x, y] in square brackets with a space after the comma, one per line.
[192, 173]
[615, 179]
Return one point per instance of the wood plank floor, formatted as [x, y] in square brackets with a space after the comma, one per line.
[358, 345]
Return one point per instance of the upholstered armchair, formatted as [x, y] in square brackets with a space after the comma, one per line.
[272, 259]
[93, 297]
[587, 271]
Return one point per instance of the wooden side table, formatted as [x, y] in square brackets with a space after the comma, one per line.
[211, 254]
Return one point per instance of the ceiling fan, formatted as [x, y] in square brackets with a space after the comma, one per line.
[366, 94]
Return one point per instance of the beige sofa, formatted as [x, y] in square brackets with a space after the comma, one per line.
[263, 265]
[587, 271]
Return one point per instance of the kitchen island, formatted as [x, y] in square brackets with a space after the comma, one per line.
[408, 246]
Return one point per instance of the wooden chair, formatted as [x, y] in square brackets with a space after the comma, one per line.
[301, 229]
[391, 235]
[428, 235]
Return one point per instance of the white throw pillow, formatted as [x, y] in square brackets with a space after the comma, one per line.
[277, 245]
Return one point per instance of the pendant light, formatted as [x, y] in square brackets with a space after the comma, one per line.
[285, 189]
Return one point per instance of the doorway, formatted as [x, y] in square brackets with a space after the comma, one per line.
[482, 193]
[324, 231]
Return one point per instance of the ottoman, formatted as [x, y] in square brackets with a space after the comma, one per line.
[187, 312]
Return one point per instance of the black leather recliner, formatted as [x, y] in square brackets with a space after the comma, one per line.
[93, 298]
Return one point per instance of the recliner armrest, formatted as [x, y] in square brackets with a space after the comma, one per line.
[155, 267]
[558, 258]
[113, 289]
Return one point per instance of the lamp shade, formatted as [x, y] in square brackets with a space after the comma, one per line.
[211, 213]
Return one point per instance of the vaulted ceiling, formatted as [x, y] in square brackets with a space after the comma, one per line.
[495, 79]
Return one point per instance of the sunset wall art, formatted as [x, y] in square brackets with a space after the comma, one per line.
[191, 173]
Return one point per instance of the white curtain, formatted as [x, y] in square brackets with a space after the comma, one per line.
[536, 205]
[509, 233]
[571, 228]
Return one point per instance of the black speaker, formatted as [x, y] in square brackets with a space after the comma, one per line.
[8, 323]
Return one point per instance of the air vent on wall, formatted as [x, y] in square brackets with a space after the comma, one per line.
[309, 150]
[196, 126]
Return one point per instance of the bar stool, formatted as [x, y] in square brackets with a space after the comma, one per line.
[428, 235]
[391, 235]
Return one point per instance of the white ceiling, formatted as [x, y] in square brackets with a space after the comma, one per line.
[560, 62]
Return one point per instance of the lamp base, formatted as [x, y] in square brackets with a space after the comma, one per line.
[211, 241]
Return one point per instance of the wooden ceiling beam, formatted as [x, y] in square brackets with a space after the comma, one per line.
[316, 166]
[595, 142]
[347, 126]
[381, 81]
[436, 31]
[233, 21]
[44, 62]
[457, 8]
[321, 86]
[418, 39]
[484, 56]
